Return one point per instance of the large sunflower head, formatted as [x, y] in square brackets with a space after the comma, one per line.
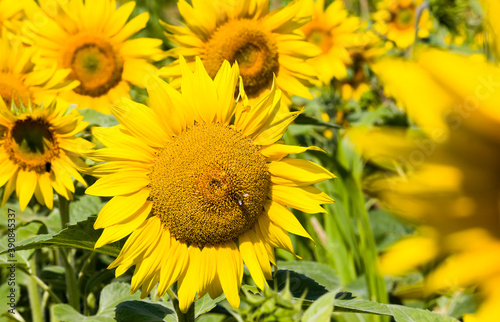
[39, 152]
[90, 39]
[396, 20]
[22, 81]
[263, 43]
[333, 31]
[202, 186]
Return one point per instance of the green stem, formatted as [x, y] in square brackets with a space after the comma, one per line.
[64, 211]
[34, 296]
[71, 282]
[44, 286]
[181, 317]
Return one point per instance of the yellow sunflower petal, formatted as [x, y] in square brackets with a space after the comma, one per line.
[121, 183]
[120, 208]
[275, 235]
[114, 233]
[188, 284]
[140, 121]
[276, 152]
[281, 216]
[275, 130]
[140, 240]
[225, 82]
[174, 264]
[7, 168]
[230, 271]
[306, 199]
[9, 188]
[199, 88]
[297, 172]
[174, 114]
[25, 187]
[251, 260]
[46, 189]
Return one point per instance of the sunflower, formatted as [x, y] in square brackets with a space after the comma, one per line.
[11, 13]
[39, 152]
[333, 31]
[365, 50]
[450, 169]
[22, 82]
[263, 43]
[90, 39]
[396, 20]
[202, 186]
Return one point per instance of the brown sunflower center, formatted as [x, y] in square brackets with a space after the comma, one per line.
[209, 185]
[11, 88]
[246, 42]
[404, 19]
[31, 145]
[320, 37]
[95, 63]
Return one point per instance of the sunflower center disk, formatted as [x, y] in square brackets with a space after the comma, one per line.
[95, 63]
[31, 145]
[320, 38]
[12, 88]
[254, 48]
[404, 19]
[209, 185]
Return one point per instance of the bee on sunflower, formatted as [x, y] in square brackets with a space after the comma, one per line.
[206, 188]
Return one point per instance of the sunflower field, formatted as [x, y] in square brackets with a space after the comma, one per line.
[250, 160]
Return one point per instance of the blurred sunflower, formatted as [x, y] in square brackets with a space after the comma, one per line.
[39, 152]
[396, 20]
[333, 31]
[364, 51]
[450, 170]
[90, 39]
[263, 43]
[11, 12]
[22, 82]
[202, 186]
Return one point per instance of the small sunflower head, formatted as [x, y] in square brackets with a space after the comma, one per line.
[264, 44]
[40, 152]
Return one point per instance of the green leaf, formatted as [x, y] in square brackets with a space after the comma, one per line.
[111, 295]
[386, 228]
[65, 312]
[132, 311]
[97, 118]
[84, 207]
[321, 273]
[206, 303]
[408, 314]
[22, 232]
[212, 317]
[299, 285]
[308, 120]
[80, 235]
[320, 310]
[400, 313]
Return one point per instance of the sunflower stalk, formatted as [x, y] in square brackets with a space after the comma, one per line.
[181, 317]
[33, 294]
[71, 282]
